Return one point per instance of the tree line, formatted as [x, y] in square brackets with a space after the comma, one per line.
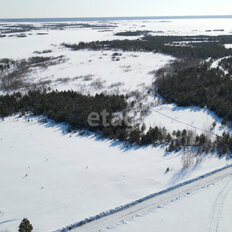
[73, 108]
[200, 47]
[197, 85]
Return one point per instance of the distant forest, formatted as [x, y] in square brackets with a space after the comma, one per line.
[197, 47]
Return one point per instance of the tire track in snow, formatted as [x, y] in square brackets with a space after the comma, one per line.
[218, 207]
[6, 221]
[126, 212]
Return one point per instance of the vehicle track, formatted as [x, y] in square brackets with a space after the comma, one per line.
[217, 208]
[129, 211]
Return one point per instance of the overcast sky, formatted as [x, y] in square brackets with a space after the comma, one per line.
[111, 8]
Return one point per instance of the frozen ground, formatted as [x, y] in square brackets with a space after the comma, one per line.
[56, 179]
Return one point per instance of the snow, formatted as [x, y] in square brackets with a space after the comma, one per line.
[179, 26]
[130, 73]
[65, 179]
[56, 179]
[145, 205]
[192, 118]
[11, 47]
[216, 62]
[228, 46]
[206, 209]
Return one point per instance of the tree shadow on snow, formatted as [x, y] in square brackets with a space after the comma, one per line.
[182, 174]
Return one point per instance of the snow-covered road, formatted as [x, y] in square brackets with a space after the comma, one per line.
[164, 197]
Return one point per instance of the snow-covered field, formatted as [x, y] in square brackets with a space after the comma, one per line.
[190, 118]
[85, 68]
[12, 46]
[56, 179]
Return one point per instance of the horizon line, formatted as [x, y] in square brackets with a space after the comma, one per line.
[121, 17]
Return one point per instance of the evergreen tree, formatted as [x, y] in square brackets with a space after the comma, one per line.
[25, 226]
[134, 137]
